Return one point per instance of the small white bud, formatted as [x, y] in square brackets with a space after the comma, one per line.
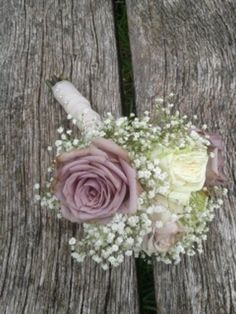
[115, 248]
[105, 267]
[69, 132]
[72, 241]
[75, 141]
[60, 129]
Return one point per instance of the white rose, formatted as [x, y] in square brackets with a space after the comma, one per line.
[168, 204]
[186, 169]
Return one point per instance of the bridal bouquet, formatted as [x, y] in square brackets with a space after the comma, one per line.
[142, 187]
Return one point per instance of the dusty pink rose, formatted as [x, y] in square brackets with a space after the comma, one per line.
[96, 182]
[162, 239]
[215, 167]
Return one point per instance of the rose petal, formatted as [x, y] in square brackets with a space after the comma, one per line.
[133, 192]
[111, 147]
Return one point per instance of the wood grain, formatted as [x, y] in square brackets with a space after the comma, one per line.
[189, 48]
[39, 39]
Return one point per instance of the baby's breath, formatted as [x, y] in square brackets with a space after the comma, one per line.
[108, 244]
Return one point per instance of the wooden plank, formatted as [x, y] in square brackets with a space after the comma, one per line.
[39, 39]
[188, 48]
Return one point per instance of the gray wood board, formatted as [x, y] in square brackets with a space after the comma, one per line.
[39, 39]
[189, 48]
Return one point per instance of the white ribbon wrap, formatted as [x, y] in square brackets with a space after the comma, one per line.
[76, 105]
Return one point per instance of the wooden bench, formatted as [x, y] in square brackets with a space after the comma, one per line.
[184, 47]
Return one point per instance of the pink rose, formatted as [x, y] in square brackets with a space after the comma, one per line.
[162, 239]
[96, 182]
[215, 167]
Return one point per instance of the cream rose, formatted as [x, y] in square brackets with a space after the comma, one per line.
[186, 169]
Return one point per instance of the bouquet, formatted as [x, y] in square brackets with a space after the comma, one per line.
[145, 187]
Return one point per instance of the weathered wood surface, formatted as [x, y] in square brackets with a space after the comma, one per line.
[39, 39]
[189, 48]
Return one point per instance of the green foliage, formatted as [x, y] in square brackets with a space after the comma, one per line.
[198, 201]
